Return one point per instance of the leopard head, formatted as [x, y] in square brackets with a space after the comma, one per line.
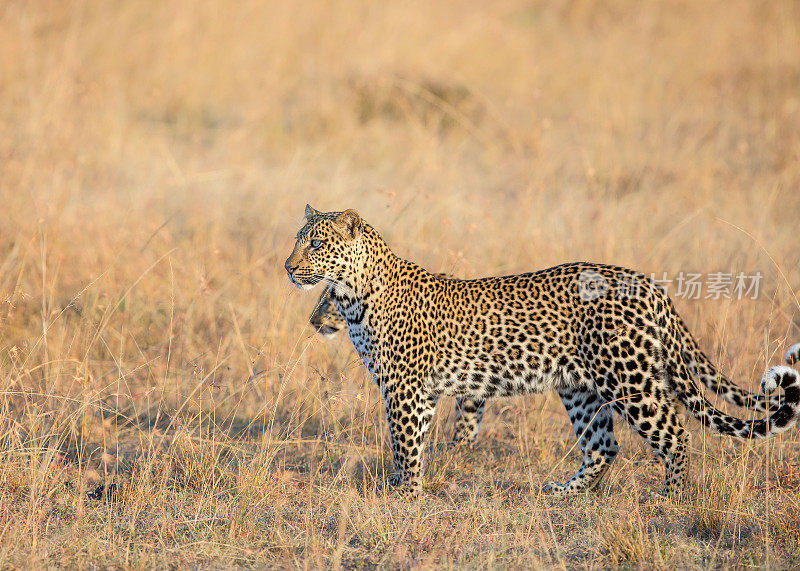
[328, 247]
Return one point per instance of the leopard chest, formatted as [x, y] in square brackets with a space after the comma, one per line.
[362, 338]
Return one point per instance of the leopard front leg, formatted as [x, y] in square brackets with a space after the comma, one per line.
[409, 413]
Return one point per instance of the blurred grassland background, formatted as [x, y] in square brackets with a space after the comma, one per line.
[155, 158]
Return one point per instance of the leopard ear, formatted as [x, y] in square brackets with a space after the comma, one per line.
[348, 223]
[310, 211]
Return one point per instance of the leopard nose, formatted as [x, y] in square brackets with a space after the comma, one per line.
[289, 267]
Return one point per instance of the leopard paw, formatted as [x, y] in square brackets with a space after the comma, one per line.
[409, 490]
[392, 482]
[397, 485]
[554, 489]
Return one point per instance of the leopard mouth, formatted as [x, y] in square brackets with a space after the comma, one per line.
[305, 282]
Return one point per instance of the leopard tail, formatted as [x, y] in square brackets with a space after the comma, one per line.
[681, 379]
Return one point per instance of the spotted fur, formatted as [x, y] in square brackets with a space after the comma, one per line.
[574, 328]
[327, 321]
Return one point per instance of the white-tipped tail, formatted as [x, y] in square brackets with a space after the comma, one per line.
[776, 377]
[779, 421]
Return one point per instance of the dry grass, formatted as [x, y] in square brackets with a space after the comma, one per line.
[154, 161]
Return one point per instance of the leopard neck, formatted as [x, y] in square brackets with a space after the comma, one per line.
[371, 276]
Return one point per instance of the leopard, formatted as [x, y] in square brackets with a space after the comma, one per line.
[327, 321]
[580, 329]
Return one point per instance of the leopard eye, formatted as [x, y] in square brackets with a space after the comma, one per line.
[316, 244]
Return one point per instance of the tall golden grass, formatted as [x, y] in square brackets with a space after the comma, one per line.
[155, 158]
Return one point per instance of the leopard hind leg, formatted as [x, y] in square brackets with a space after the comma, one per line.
[633, 376]
[593, 422]
[657, 421]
